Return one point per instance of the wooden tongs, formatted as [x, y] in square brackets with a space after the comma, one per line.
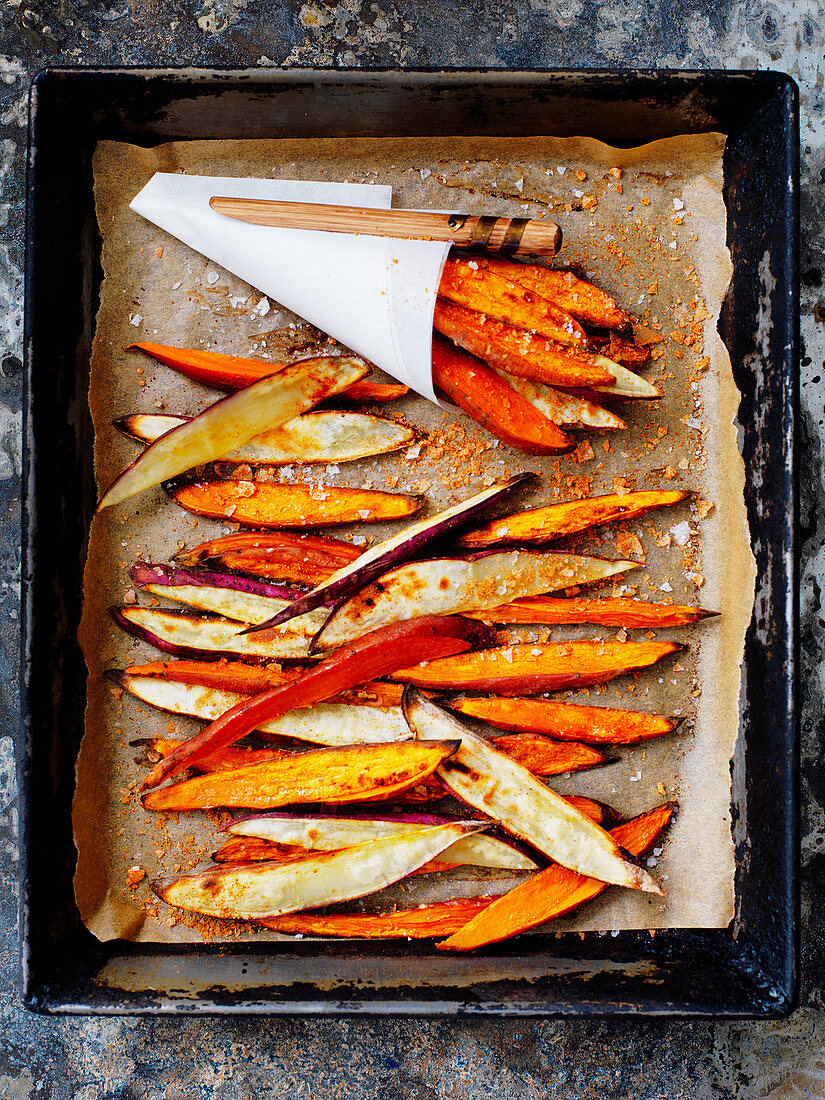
[515, 236]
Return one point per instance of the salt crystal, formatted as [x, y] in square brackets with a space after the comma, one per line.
[425, 172]
[672, 244]
[177, 285]
[262, 308]
[520, 185]
[212, 277]
[359, 540]
[678, 204]
[413, 452]
[561, 171]
[681, 533]
[692, 422]
[135, 319]
[364, 513]
[665, 587]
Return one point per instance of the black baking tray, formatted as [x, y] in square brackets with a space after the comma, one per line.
[748, 969]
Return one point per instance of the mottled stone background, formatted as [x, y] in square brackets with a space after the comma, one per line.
[416, 1060]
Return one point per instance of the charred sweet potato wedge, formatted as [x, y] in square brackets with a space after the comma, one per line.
[263, 504]
[568, 721]
[492, 402]
[554, 520]
[234, 372]
[577, 297]
[532, 669]
[436, 919]
[338, 776]
[468, 283]
[553, 892]
[610, 611]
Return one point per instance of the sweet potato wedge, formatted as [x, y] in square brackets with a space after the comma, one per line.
[247, 679]
[528, 355]
[328, 436]
[252, 891]
[234, 372]
[470, 284]
[516, 350]
[532, 669]
[366, 659]
[571, 516]
[568, 721]
[263, 504]
[406, 544]
[242, 849]
[567, 409]
[488, 780]
[326, 723]
[329, 832]
[492, 402]
[274, 555]
[186, 634]
[609, 611]
[233, 420]
[440, 918]
[552, 892]
[237, 598]
[577, 297]
[337, 775]
[443, 586]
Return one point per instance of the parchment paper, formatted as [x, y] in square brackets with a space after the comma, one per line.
[655, 239]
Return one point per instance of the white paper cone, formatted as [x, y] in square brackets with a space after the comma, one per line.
[374, 294]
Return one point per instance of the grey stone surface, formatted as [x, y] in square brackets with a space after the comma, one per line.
[416, 1060]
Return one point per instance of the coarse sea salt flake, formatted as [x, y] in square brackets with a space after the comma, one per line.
[135, 319]
[177, 285]
[364, 513]
[681, 533]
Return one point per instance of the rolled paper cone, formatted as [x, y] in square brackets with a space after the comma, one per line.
[375, 295]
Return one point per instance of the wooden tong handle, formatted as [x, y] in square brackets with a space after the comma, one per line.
[515, 236]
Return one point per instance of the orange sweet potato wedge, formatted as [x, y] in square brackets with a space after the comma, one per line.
[246, 679]
[534, 668]
[436, 919]
[468, 283]
[541, 525]
[263, 504]
[233, 372]
[517, 351]
[612, 611]
[577, 297]
[568, 721]
[539, 754]
[553, 892]
[492, 402]
[337, 776]
[276, 555]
